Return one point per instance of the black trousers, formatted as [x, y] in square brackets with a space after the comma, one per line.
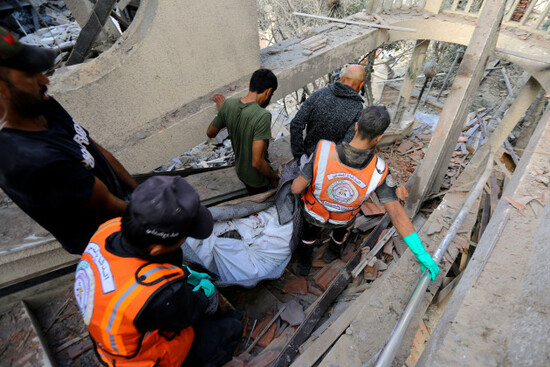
[311, 232]
[215, 342]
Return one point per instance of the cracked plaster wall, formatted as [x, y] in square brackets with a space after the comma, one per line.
[173, 53]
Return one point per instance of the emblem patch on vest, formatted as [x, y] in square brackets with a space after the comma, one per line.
[343, 192]
[84, 290]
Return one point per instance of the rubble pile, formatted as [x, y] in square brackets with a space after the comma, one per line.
[208, 154]
[23, 19]
[61, 37]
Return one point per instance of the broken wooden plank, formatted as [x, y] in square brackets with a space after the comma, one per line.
[507, 82]
[353, 22]
[320, 306]
[99, 15]
[417, 59]
[448, 289]
[449, 127]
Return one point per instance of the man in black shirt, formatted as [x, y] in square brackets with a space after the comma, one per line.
[50, 166]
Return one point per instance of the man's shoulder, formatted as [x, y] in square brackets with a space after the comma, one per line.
[232, 102]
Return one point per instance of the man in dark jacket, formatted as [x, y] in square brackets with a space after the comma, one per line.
[141, 306]
[329, 113]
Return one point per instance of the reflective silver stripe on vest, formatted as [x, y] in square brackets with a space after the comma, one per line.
[123, 297]
[376, 176]
[314, 215]
[321, 168]
[333, 221]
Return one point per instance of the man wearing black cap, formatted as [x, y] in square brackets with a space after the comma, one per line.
[140, 305]
[50, 166]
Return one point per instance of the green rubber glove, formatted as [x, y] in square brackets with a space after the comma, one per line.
[195, 277]
[206, 286]
[423, 257]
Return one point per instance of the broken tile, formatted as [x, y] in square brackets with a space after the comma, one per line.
[405, 145]
[370, 209]
[314, 290]
[347, 256]
[402, 192]
[297, 286]
[363, 223]
[268, 336]
[382, 265]
[260, 326]
[514, 203]
[293, 313]
[388, 247]
[326, 275]
[371, 272]
[318, 263]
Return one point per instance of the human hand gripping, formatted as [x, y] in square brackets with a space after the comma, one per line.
[206, 286]
[195, 277]
[218, 99]
[423, 257]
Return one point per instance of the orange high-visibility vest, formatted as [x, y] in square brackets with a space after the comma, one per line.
[111, 291]
[337, 191]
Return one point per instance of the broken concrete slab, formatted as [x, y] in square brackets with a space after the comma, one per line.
[519, 335]
[293, 313]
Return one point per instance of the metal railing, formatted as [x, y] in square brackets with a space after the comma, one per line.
[529, 15]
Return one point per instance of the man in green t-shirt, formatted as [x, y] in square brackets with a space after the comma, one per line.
[249, 127]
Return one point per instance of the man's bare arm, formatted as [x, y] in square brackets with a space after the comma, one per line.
[299, 185]
[121, 172]
[399, 218]
[259, 162]
[102, 200]
[212, 131]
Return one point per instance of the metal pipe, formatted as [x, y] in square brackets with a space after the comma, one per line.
[458, 52]
[390, 349]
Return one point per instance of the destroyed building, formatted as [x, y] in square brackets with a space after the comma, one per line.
[144, 91]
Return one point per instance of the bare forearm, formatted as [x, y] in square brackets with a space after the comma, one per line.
[102, 200]
[399, 218]
[265, 169]
[121, 172]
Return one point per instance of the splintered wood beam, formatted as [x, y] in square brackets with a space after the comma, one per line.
[319, 307]
[99, 15]
[454, 114]
[417, 60]
[353, 22]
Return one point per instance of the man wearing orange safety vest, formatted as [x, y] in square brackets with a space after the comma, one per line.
[336, 181]
[141, 306]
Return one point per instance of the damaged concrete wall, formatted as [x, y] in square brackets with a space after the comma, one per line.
[147, 99]
[173, 53]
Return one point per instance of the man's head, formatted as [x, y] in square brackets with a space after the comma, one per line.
[163, 211]
[264, 83]
[22, 84]
[373, 122]
[354, 76]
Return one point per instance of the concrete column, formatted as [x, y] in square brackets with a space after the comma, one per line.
[81, 10]
[417, 60]
[433, 6]
[454, 114]
[516, 111]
